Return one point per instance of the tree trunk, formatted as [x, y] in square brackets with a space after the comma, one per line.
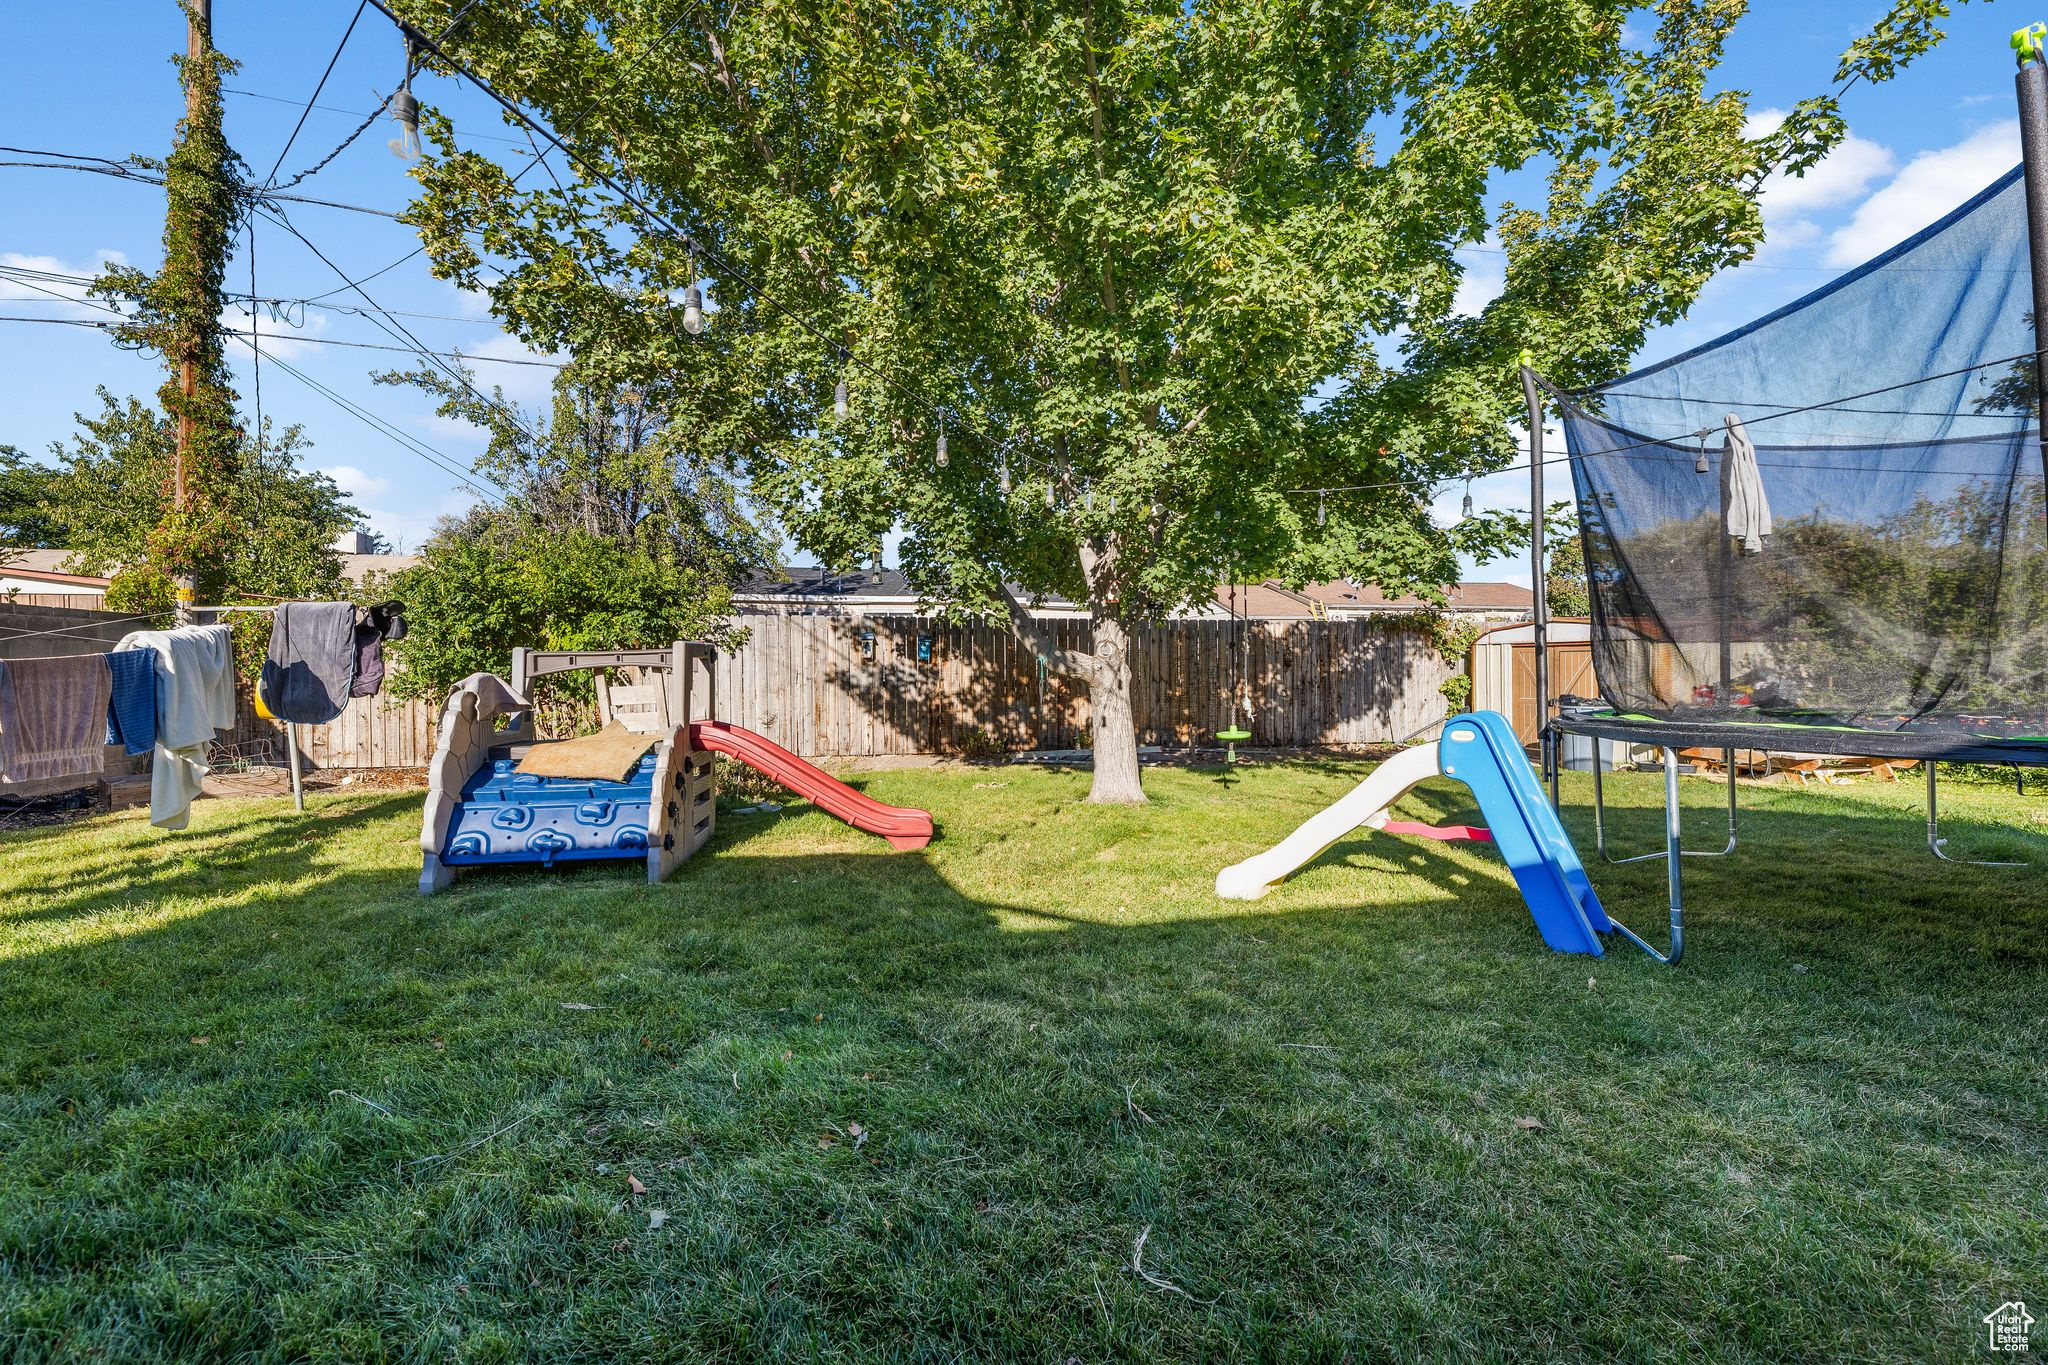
[1116, 730]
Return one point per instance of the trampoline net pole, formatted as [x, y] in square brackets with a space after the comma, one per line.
[2032, 83]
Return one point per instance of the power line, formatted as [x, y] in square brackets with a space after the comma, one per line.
[446, 464]
[399, 331]
[354, 19]
[278, 306]
[315, 341]
[355, 113]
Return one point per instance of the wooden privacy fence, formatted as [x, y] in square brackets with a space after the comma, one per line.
[822, 685]
[836, 687]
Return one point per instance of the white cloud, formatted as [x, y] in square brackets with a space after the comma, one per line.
[1485, 277]
[359, 484]
[1931, 184]
[1844, 174]
[62, 296]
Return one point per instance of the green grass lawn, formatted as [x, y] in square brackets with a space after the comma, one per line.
[258, 1100]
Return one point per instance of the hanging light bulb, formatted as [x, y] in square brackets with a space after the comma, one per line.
[406, 110]
[1699, 465]
[940, 455]
[1322, 511]
[1088, 498]
[693, 307]
[1468, 500]
[1003, 474]
[1051, 502]
[840, 407]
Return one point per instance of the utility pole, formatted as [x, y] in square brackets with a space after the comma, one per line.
[198, 46]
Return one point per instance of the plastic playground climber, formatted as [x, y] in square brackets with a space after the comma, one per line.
[643, 788]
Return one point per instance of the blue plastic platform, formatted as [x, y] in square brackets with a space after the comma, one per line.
[510, 817]
[1479, 749]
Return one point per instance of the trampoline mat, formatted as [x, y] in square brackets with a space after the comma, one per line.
[1794, 737]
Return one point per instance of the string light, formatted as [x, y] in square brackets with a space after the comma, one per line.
[840, 407]
[1699, 466]
[940, 456]
[693, 304]
[1468, 500]
[1003, 474]
[1323, 511]
[405, 108]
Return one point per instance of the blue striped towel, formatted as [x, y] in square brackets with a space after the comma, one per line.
[131, 715]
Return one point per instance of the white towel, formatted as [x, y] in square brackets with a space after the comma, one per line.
[195, 696]
[1749, 511]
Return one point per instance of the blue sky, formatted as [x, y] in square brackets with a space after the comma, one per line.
[99, 82]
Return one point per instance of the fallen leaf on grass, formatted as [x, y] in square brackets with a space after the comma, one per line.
[633, 1184]
[1679, 1258]
[656, 1217]
[576, 1005]
[1529, 1124]
[826, 1141]
[854, 1130]
[439, 1045]
[201, 1040]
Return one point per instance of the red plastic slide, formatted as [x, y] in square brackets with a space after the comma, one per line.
[902, 826]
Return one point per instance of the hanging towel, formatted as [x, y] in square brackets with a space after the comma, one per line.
[312, 661]
[1749, 512]
[195, 696]
[131, 715]
[53, 716]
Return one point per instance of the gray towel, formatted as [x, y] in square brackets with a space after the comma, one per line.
[312, 661]
[53, 716]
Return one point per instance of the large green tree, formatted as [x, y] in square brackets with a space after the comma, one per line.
[1114, 250]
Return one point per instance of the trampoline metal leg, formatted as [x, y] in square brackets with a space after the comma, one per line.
[1934, 839]
[1600, 814]
[1674, 862]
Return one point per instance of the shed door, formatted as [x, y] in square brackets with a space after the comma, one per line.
[1571, 671]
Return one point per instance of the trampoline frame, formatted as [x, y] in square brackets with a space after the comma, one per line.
[1655, 734]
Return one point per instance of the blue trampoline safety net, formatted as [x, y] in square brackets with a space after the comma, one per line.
[1834, 513]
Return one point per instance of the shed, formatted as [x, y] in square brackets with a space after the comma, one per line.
[1503, 668]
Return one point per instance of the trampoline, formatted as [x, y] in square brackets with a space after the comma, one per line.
[1824, 533]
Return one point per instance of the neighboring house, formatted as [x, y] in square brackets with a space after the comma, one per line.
[38, 574]
[812, 591]
[356, 568]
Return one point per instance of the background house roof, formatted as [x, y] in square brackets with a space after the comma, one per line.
[43, 564]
